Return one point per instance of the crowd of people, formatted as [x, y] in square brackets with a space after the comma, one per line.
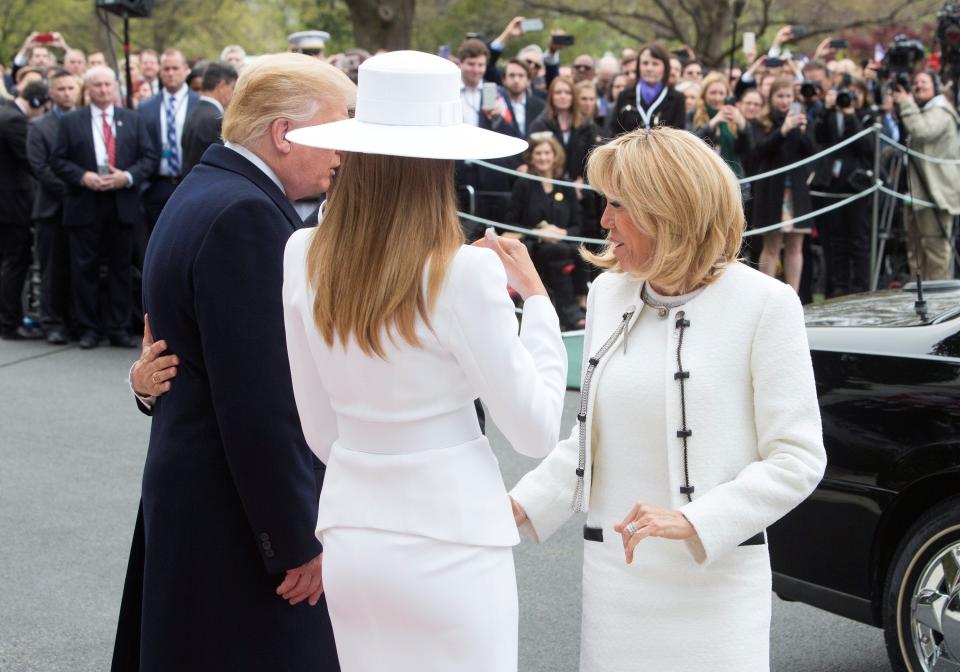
[86, 177]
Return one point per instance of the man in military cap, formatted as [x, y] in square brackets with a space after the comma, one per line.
[309, 42]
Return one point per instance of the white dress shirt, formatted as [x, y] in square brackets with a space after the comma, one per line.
[181, 107]
[257, 161]
[520, 113]
[472, 99]
[99, 142]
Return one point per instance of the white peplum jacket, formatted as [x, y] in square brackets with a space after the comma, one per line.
[399, 435]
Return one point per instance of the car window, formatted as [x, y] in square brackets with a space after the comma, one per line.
[948, 347]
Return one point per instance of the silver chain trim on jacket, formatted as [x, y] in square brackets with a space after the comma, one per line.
[577, 503]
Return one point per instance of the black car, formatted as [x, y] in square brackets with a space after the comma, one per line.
[879, 540]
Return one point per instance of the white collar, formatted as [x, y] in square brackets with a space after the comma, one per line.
[522, 101]
[179, 92]
[99, 112]
[214, 102]
[17, 102]
[257, 161]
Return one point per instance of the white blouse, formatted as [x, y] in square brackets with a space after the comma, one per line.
[399, 434]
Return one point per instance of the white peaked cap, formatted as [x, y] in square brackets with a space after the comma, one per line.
[408, 104]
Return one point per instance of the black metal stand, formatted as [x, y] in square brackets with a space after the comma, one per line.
[126, 58]
[738, 6]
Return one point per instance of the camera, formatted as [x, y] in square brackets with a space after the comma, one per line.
[810, 88]
[730, 100]
[844, 99]
[901, 58]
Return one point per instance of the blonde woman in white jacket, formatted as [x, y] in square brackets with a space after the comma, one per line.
[698, 425]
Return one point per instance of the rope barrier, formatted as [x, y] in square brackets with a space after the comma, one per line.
[918, 155]
[528, 176]
[810, 159]
[815, 213]
[909, 200]
[529, 232]
[753, 232]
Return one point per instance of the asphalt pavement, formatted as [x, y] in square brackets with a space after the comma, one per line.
[72, 445]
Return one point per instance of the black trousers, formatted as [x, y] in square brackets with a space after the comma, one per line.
[845, 236]
[111, 240]
[15, 257]
[53, 256]
[552, 261]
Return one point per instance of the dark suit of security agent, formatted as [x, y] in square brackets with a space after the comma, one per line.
[204, 124]
[157, 112]
[16, 199]
[230, 488]
[100, 210]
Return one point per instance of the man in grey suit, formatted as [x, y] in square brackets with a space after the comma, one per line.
[52, 249]
[203, 124]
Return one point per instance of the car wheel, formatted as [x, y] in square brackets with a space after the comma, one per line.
[921, 608]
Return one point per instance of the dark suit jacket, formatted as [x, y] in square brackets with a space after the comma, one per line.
[530, 204]
[41, 141]
[151, 109]
[74, 155]
[16, 180]
[672, 112]
[583, 138]
[200, 130]
[230, 487]
[533, 106]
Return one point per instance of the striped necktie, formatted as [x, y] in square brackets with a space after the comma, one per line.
[173, 159]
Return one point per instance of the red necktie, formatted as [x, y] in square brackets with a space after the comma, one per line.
[109, 141]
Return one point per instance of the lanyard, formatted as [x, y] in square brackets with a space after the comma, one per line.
[647, 115]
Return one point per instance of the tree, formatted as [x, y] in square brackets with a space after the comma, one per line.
[382, 24]
[705, 25]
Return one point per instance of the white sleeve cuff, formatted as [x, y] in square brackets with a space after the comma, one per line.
[146, 401]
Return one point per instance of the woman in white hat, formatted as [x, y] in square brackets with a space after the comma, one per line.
[394, 327]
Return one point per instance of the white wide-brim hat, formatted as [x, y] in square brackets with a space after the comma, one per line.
[408, 104]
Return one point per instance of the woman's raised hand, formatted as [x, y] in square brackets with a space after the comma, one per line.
[515, 258]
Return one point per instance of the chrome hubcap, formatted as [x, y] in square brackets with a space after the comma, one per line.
[935, 613]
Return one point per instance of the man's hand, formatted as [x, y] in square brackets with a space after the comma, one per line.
[29, 42]
[93, 181]
[303, 583]
[117, 179]
[824, 52]
[900, 96]
[151, 374]
[512, 30]
[783, 36]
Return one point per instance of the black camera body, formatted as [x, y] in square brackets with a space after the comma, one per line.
[901, 58]
[810, 88]
[844, 98]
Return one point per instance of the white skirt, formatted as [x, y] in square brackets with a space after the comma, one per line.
[408, 603]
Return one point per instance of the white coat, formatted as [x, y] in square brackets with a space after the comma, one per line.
[756, 451]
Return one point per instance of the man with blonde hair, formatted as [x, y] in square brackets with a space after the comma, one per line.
[232, 573]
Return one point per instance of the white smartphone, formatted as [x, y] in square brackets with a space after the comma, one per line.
[488, 96]
[749, 43]
[796, 108]
[531, 25]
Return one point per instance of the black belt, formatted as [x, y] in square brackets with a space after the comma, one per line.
[596, 534]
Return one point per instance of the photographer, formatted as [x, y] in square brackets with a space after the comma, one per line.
[845, 232]
[931, 125]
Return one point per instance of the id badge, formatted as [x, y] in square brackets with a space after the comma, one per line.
[103, 169]
[837, 167]
[165, 152]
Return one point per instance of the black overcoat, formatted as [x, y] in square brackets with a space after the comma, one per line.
[230, 487]
[774, 150]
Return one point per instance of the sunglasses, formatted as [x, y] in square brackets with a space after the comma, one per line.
[533, 64]
[581, 67]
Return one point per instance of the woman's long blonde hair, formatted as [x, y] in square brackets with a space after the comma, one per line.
[700, 115]
[388, 217]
